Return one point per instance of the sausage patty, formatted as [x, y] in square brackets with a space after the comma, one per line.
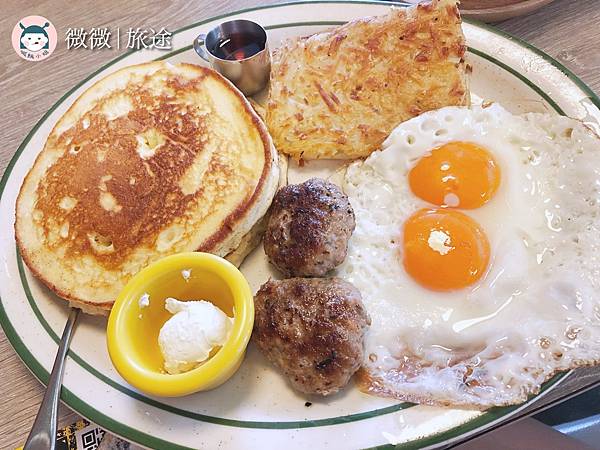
[313, 330]
[309, 228]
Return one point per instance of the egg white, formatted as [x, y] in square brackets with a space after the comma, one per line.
[534, 311]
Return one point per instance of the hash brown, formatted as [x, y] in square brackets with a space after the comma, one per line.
[338, 94]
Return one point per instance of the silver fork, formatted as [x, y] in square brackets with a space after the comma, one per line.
[43, 433]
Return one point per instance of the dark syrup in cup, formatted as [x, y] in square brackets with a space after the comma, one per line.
[237, 46]
[239, 51]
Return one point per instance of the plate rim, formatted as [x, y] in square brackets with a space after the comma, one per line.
[145, 439]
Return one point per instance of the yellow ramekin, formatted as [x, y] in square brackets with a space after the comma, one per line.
[132, 333]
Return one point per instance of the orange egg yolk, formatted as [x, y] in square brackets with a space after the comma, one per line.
[444, 249]
[457, 175]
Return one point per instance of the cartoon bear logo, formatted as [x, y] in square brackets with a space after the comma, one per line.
[34, 38]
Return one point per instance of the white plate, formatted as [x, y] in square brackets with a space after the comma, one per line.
[256, 408]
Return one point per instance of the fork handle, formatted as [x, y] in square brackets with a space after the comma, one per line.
[43, 433]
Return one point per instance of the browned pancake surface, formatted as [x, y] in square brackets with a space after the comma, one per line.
[154, 160]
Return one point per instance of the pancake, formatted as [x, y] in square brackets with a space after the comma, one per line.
[339, 94]
[251, 240]
[152, 160]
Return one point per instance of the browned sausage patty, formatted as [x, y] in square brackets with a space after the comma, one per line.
[309, 228]
[313, 330]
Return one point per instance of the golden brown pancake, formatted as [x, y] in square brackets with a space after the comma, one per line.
[339, 94]
[154, 159]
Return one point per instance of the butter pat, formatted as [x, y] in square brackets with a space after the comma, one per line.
[195, 329]
[144, 301]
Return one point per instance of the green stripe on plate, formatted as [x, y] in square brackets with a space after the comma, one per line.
[521, 77]
[591, 95]
[86, 410]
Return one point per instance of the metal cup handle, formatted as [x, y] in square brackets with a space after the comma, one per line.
[199, 47]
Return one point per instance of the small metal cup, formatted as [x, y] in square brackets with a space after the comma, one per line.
[250, 74]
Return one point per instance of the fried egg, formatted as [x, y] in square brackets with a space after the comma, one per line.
[476, 252]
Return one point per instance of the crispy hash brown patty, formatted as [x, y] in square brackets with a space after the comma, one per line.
[338, 94]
